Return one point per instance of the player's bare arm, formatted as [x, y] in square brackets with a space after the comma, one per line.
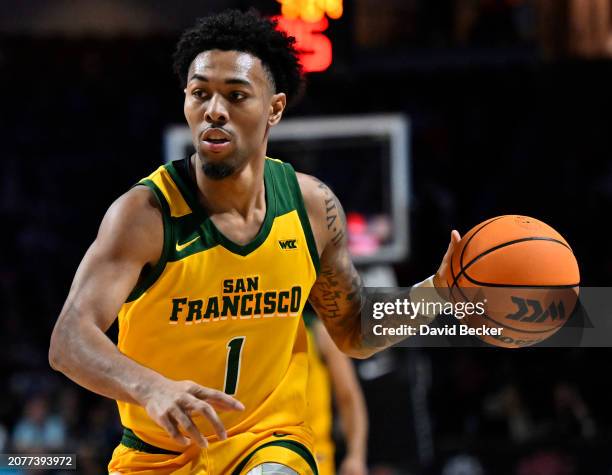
[129, 241]
[337, 294]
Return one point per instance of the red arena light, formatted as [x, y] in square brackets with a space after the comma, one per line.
[315, 48]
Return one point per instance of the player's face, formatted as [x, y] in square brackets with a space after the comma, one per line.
[229, 106]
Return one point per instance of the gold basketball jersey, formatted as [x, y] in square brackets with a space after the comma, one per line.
[319, 413]
[224, 315]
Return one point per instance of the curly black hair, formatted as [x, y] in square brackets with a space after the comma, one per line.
[247, 32]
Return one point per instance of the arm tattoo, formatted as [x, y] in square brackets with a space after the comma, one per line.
[336, 295]
[333, 211]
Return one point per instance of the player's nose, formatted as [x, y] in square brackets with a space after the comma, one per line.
[216, 112]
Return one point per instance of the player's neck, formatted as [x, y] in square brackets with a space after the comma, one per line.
[242, 192]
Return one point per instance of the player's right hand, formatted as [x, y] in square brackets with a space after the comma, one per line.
[171, 403]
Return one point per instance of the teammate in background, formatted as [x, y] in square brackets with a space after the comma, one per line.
[331, 372]
[208, 263]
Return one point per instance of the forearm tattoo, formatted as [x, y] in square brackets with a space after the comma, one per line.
[336, 295]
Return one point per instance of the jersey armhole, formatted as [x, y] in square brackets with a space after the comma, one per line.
[300, 207]
[154, 272]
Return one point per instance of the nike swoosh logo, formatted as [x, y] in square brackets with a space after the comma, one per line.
[180, 247]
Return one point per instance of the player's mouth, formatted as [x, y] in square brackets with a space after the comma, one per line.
[216, 140]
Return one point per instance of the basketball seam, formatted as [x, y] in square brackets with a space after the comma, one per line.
[506, 244]
[463, 271]
[455, 283]
[455, 278]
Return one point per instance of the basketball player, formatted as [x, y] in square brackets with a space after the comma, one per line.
[208, 263]
[331, 372]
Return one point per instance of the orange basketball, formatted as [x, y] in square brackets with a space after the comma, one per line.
[525, 273]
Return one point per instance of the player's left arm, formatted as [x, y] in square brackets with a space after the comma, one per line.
[337, 295]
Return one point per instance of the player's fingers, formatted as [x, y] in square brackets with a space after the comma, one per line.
[223, 405]
[187, 424]
[207, 411]
[218, 399]
[454, 240]
[451, 244]
[171, 428]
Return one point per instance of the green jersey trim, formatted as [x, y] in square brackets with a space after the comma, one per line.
[300, 207]
[217, 237]
[292, 445]
[153, 274]
[132, 441]
[191, 237]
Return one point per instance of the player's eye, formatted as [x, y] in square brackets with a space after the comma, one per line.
[237, 95]
[199, 93]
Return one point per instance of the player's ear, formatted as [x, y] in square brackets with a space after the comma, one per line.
[278, 102]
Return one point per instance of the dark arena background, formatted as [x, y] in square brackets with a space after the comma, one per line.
[509, 104]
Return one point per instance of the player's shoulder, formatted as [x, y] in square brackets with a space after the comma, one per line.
[323, 209]
[315, 193]
[134, 217]
[313, 190]
[137, 205]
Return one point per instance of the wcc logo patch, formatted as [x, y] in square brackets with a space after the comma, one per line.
[288, 244]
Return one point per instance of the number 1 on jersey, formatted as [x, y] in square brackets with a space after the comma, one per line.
[232, 368]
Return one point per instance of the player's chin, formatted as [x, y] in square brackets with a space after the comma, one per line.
[218, 166]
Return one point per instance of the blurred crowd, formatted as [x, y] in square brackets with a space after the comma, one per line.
[534, 412]
[48, 415]
[487, 413]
